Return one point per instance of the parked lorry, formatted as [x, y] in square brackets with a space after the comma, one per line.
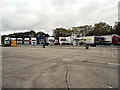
[94, 40]
[50, 40]
[26, 41]
[33, 41]
[7, 41]
[19, 41]
[63, 41]
[13, 42]
[112, 39]
[69, 40]
[41, 40]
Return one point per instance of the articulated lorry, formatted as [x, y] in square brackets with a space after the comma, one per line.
[89, 40]
[112, 39]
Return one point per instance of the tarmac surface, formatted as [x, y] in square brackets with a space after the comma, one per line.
[59, 67]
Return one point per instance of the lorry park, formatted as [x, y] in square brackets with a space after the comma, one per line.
[67, 62]
[45, 62]
[60, 66]
[70, 40]
[60, 45]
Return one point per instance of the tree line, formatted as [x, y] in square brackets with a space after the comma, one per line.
[98, 29]
[28, 34]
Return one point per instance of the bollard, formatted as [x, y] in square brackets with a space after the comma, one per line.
[44, 46]
[87, 47]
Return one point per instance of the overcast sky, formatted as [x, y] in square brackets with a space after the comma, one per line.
[45, 15]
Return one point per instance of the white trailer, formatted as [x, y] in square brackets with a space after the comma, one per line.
[90, 39]
[108, 39]
[33, 41]
[26, 41]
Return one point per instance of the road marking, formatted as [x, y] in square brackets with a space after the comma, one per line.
[101, 62]
[110, 87]
[66, 59]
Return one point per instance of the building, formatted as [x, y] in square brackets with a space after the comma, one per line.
[119, 11]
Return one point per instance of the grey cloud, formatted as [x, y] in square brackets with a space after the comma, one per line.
[45, 15]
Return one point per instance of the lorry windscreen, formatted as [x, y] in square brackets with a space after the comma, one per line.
[63, 40]
[33, 40]
[118, 39]
[51, 40]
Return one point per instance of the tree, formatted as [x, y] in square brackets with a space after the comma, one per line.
[116, 29]
[61, 32]
[81, 31]
[101, 29]
[42, 34]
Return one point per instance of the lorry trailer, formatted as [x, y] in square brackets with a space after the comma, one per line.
[94, 40]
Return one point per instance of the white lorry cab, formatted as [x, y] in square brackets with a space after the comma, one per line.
[26, 41]
[19, 41]
[69, 40]
[63, 41]
[51, 40]
[7, 41]
[33, 41]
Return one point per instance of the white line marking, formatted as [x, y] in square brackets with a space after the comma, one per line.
[67, 59]
[110, 87]
[101, 62]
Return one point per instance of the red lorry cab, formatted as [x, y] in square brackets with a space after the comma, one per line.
[116, 39]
